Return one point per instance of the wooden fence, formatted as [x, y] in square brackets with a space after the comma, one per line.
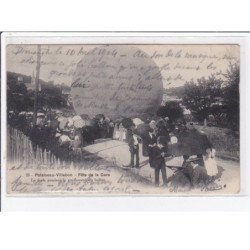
[21, 150]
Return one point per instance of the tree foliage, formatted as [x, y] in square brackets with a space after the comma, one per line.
[215, 96]
[172, 110]
[200, 96]
[20, 99]
[232, 95]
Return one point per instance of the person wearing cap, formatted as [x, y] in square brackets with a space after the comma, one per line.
[158, 160]
[133, 143]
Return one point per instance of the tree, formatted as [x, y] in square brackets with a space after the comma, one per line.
[20, 99]
[231, 96]
[16, 94]
[201, 95]
[51, 97]
[172, 110]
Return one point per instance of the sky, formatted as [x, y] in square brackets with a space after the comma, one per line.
[177, 63]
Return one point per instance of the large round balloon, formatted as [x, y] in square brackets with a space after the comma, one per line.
[117, 81]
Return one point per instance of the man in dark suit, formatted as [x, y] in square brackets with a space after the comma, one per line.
[150, 142]
[133, 143]
[158, 160]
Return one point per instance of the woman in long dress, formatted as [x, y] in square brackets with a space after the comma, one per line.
[124, 134]
[210, 163]
[121, 132]
[116, 131]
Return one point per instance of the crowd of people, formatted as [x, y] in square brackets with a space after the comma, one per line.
[60, 132]
[65, 135]
[164, 140]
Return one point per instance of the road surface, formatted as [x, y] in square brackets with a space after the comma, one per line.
[117, 153]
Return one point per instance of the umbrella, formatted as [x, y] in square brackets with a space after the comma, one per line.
[79, 124]
[137, 121]
[82, 123]
[193, 142]
[127, 122]
[61, 118]
[77, 118]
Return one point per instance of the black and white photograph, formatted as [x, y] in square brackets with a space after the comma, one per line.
[123, 119]
[124, 124]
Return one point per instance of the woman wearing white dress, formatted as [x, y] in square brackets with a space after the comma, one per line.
[121, 132]
[210, 163]
[124, 134]
[116, 131]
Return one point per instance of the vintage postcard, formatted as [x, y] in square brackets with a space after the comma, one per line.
[122, 119]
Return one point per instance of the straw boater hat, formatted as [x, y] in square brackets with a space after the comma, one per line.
[40, 114]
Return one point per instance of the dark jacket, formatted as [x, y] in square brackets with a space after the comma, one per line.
[130, 138]
[148, 140]
[158, 160]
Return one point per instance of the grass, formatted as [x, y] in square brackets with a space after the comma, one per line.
[225, 141]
